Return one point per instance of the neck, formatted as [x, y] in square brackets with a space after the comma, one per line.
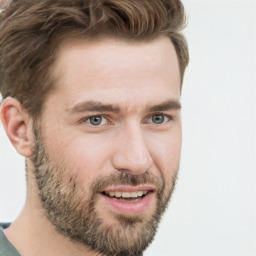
[32, 233]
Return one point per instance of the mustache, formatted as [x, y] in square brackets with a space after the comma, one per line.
[128, 179]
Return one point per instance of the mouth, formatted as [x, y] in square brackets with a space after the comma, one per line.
[127, 196]
[128, 200]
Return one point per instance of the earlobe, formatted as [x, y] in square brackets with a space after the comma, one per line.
[18, 125]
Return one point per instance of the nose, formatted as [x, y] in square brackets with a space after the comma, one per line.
[132, 154]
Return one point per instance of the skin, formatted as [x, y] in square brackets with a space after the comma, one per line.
[131, 76]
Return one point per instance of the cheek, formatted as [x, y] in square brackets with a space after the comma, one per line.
[84, 156]
[165, 152]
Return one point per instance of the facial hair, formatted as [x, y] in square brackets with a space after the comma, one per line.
[71, 208]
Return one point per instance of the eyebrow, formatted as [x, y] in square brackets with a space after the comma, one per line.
[166, 105]
[95, 106]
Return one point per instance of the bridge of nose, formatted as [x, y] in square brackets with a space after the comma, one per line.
[132, 151]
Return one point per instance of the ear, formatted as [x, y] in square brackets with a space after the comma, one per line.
[18, 126]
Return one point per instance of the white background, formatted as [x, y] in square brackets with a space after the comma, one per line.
[213, 211]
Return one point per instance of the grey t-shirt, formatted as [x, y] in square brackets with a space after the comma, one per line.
[6, 248]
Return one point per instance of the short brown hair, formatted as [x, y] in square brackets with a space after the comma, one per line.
[31, 32]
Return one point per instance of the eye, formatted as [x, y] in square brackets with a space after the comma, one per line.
[96, 120]
[159, 119]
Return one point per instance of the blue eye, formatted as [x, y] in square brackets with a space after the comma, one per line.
[159, 119]
[96, 120]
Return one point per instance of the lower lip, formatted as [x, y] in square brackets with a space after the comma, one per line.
[126, 207]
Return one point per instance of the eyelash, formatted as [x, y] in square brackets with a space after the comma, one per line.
[167, 118]
[86, 120]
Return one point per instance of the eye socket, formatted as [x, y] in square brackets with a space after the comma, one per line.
[159, 118]
[154, 119]
[96, 120]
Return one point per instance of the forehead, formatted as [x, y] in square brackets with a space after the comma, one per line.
[115, 70]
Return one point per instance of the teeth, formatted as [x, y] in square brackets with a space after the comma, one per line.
[118, 194]
[127, 194]
[111, 194]
[140, 193]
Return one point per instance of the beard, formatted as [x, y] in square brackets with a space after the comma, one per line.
[70, 207]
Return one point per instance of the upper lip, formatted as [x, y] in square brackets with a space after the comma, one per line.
[128, 188]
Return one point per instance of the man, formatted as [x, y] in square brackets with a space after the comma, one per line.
[91, 94]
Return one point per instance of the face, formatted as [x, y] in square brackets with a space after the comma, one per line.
[107, 146]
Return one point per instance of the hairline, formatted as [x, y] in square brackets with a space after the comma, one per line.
[54, 80]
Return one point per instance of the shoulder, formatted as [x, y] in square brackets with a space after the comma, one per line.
[4, 225]
[6, 248]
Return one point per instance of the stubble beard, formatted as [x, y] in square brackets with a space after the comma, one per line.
[72, 211]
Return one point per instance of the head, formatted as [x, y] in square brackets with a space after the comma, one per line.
[35, 30]
[91, 93]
